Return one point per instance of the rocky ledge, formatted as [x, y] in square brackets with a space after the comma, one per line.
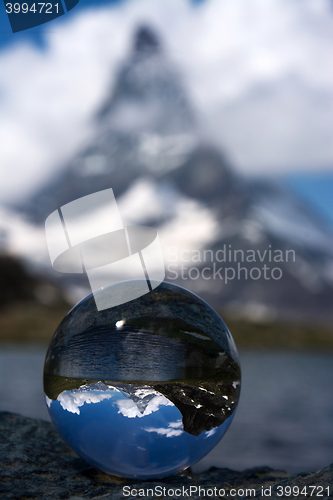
[37, 464]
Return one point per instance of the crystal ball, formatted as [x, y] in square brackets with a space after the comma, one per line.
[144, 389]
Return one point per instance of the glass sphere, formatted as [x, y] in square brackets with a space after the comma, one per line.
[144, 389]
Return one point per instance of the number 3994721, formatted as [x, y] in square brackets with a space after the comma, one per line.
[35, 8]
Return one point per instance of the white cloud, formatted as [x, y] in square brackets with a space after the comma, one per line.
[130, 409]
[72, 400]
[173, 429]
[48, 97]
[23, 238]
[210, 433]
[257, 71]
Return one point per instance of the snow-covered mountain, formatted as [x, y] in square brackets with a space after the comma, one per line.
[145, 127]
[148, 146]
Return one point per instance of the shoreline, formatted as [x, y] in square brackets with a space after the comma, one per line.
[32, 323]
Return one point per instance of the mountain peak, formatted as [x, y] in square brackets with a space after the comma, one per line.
[146, 41]
[147, 95]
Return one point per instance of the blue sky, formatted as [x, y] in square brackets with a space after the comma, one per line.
[316, 189]
[122, 437]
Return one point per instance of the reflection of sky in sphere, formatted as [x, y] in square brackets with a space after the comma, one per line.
[98, 423]
[144, 389]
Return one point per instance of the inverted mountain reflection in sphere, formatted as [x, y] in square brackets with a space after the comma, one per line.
[144, 389]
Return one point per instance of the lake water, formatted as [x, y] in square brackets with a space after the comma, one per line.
[284, 419]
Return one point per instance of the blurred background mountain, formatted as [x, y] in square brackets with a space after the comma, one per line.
[211, 120]
[148, 143]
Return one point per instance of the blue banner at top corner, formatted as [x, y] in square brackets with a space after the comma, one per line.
[70, 4]
[25, 14]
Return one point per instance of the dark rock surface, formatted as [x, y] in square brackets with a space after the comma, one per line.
[37, 464]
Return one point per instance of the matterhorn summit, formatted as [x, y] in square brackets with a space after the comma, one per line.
[148, 95]
[145, 127]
